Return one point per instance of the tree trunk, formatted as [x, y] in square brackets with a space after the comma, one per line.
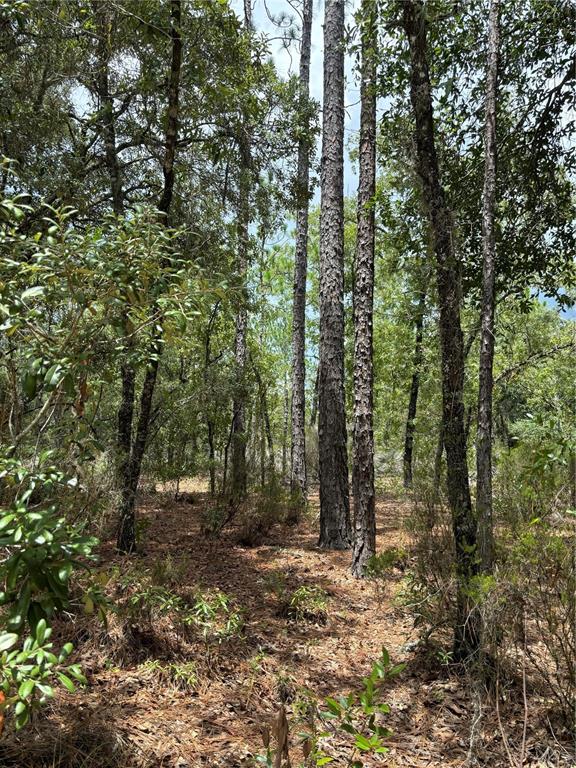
[486, 370]
[451, 340]
[266, 426]
[107, 121]
[363, 439]
[335, 528]
[126, 541]
[314, 408]
[239, 475]
[209, 418]
[414, 390]
[285, 432]
[239, 472]
[127, 525]
[298, 485]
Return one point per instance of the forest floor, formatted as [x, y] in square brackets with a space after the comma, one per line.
[128, 716]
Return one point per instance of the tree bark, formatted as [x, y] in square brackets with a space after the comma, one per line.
[285, 431]
[107, 121]
[414, 390]
[239, 471]
[363, 439]
[298, 483]
[335, 528]
[451, 340]
[209, 416]
[486, 370]
[126, 541]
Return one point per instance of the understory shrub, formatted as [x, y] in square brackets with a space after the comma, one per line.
[40, 552]
[150, 609]
[531, 610]
[353, 724]
[261, 511]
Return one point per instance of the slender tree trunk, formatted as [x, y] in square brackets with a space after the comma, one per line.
[298, 484]
[363, 440]
[209, 417]
[285, 432]
[266, 426]
[126, 541]
[107, 120]
[486, 371]
[451, 340]
[335, 528]
[239, 472]
[414, 390]
[211, 457]
[106, 111]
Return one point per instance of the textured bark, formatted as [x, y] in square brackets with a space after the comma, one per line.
[285, 432]
[314, 408]
[414, 390]
[209, 417]
[239, 472]
[335, 528]
[239, 476]
[298, 485]
[127, 526]
[486, 370]
[126, 541]
[363, 440]
[107, 119]
[451, 340]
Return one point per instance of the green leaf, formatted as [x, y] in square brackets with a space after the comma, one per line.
[6, 520]
[31, 293]
[53, 375]
[66, 682]
[362, 743]
[333, 706]
[30, 385]
[41, 631]
[26, 689]
[8, 640]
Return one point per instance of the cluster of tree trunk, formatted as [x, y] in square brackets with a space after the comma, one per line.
[472, 528]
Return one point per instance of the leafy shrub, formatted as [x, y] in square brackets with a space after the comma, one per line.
[40, 552]
[40, 548]
[27, 673]
[214, 517]
[305, 603]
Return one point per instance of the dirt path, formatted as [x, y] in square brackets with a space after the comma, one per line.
[128, 718]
